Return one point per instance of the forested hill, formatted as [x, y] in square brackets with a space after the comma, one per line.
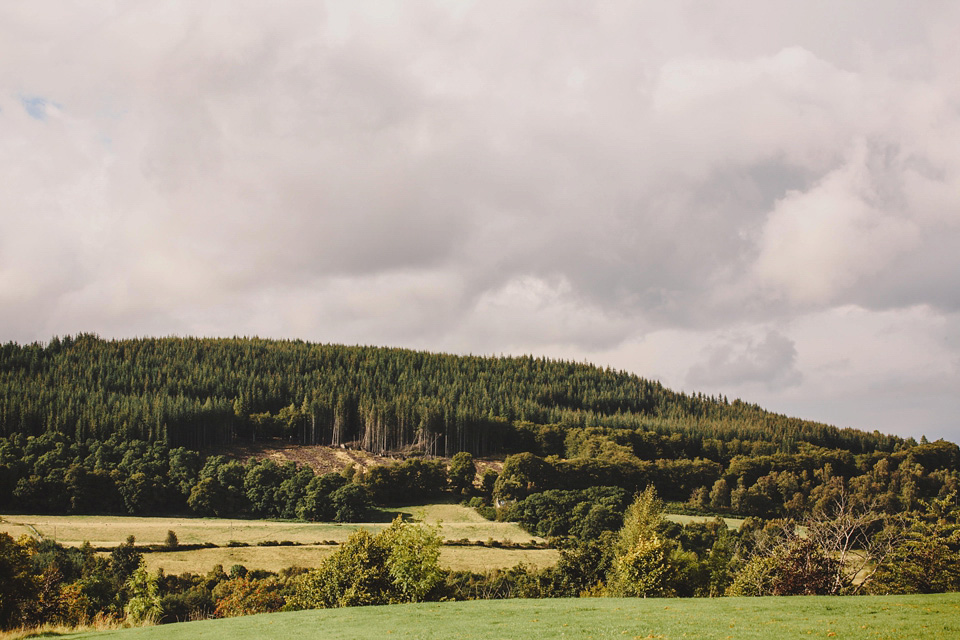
[196, 392]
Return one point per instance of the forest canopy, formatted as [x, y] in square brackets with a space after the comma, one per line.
[197, 392]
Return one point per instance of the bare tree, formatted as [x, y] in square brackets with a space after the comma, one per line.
[858, 535]
[835, 550]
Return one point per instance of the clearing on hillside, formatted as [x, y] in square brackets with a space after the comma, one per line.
[322, 458]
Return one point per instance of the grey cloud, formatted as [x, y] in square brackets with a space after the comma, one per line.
[770, 362]
[484, 175]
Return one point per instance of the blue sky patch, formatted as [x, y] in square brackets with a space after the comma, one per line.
[36, 106]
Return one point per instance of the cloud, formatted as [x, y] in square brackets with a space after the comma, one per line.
[614, 180]
[817, 244]
[770, 362]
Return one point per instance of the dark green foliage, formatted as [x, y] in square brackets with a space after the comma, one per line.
[194, 603]
[584, 513]
[404, 483]
[488, 481]
[124, 560]
[94, 426]
[198, 392]
[523, 474]
[350, 503]
[928, 560]
[462, 472]
[582, 566]
[315, 504]
[261, 484]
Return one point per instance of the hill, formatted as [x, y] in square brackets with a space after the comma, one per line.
[198, 392]
[138, 427]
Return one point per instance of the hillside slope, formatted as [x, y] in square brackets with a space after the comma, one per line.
[198, 392]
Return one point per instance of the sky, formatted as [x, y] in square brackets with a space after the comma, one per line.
[759, 199]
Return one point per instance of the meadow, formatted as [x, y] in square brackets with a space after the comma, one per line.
[931, 617]
[732, 523]
[457, 523]
[458, 558]
[312, 539]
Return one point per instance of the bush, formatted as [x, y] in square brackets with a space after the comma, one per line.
[193, 604]
[241, 597]
[19, 587]
[399, 564]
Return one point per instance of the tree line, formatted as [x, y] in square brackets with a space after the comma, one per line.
[51, 474]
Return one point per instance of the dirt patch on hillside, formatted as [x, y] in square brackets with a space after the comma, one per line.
[319, 458]
[323, 459]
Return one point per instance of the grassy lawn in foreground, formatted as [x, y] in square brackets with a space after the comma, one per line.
[888, 617]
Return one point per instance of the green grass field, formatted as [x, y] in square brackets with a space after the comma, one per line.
[931, 617]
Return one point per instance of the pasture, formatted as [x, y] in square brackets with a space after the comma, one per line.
[107, 531]
[477, 559]
[931, 617]
[732, 523]
[312, 539]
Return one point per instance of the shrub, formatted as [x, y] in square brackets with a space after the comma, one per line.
[241, 596]
[400, 564]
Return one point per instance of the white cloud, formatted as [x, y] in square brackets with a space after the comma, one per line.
[530, 314]
[817, 244]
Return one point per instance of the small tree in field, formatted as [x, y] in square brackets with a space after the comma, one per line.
[642, 557]
[171, 541]
[413, 560]
[144, 603]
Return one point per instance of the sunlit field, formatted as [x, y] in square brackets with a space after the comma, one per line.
[457, 522]
[732, 523]
[312, 541]
[477, 559]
